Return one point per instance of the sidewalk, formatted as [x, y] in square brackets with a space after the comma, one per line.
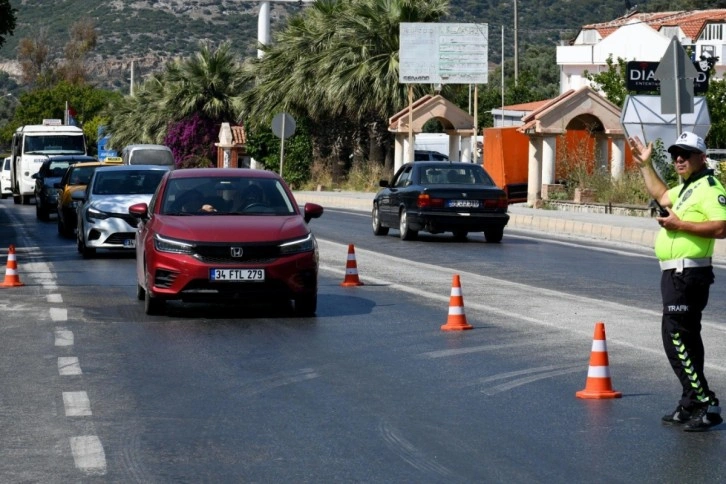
[639, 231]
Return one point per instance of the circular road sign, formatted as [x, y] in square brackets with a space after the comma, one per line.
[283, 125]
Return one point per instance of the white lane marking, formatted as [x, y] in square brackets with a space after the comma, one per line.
[88, 454]
[585, 241]
[59, 314]
[54, 298]
[77, 404]
[63, 337]
[637, 328]
[626, 253]
[68, 366]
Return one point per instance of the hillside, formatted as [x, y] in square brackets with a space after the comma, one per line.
[153, 31]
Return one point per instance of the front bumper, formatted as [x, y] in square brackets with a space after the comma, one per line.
[110, 233]
[174, 276]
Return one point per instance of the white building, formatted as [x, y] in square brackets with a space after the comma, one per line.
[643, 37]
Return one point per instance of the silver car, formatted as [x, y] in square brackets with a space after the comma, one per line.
[103, 214]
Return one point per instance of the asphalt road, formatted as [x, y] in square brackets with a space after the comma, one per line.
[370, 390]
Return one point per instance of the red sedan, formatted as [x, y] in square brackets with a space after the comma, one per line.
[225, 234]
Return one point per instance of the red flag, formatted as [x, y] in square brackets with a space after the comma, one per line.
[71, 113]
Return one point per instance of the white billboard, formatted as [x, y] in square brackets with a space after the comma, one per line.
[440, 53]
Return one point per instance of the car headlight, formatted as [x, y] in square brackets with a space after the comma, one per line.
[306, 244]
[162, 244]
[94, 213]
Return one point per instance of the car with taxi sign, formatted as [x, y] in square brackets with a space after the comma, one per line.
[440, 196]
[226, 234]
[74, 179]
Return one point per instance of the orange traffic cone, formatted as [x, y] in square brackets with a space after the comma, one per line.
[457, 318]
[351, 269]
[598, 374]
[11, 273]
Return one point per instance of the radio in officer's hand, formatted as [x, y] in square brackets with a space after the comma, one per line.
[661, 211]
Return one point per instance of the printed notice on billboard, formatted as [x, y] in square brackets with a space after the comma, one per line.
[440, 53]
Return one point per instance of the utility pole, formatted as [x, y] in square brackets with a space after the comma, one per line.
[516, 57]
[263, 21]
[131, 88]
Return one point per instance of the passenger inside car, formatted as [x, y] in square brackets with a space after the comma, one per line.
[192, 202]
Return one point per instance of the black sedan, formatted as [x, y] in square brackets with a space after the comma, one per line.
[50, 173]
[440, 197]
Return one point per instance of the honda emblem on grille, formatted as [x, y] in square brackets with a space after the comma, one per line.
[236, 251]
[464, 195]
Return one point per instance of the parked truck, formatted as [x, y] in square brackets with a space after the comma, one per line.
[32, 145]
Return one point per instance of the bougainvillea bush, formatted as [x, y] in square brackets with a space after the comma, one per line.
[192, 141]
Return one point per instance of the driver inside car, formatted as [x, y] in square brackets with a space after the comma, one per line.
[247, 198]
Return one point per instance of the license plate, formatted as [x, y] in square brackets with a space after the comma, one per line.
[464, 203]
[129, 243]
[236, 274]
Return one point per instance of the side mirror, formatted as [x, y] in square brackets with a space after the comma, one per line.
[311, 211]
[139, 210]
[383, 183]
[35, 176]
[79, 196]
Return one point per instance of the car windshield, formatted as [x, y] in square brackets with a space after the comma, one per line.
[142, 182]
[54, 144]
[226, 196]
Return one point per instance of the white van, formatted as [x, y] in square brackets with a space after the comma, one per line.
[147, 155]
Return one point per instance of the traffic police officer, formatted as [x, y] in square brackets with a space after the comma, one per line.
[696, 216]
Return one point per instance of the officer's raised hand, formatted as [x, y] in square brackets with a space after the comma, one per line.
[641, 152]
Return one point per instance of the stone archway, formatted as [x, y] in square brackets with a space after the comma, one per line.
[582, 110]
[457, 123]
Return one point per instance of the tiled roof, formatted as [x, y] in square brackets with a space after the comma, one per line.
[691, 22]
[239, 137]
[531, 106]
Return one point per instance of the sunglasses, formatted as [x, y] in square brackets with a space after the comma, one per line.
[684, 154]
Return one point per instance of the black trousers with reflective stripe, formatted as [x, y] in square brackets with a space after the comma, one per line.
[685, 295]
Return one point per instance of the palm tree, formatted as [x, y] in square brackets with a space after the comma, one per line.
[206, 85]
[209, 83]
[338, 65]
[139, 118]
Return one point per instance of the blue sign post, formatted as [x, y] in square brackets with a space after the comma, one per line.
[103, 139]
